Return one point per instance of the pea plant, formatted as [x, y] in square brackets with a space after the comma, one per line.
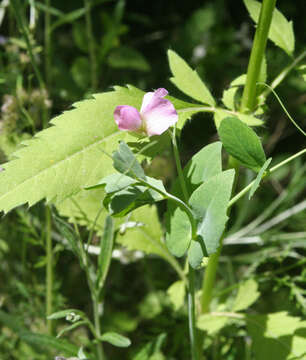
[88, 165]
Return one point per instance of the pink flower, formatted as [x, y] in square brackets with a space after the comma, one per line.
[156, 114]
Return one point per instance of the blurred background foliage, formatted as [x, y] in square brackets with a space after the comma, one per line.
[89, 46]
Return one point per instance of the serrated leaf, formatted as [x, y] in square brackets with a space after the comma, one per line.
[242, 143]
[281, 30]
[61, 160]
[277, 336]
[203, 165]
[209, 205]
[187, 80]
[116, 339]
[177, 293]
[259, 177]
[247, 294]
[248, 119]
[211, 324]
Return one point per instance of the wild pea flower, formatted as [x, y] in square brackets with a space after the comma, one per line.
[156, 114]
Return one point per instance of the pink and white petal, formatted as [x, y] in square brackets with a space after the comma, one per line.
[152, 99]
[160, 119]
[127, 118]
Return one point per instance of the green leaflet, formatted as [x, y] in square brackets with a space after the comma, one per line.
[61, 160]
[248, 119]
[116, 339]
[277, 336]
[242, 143]
[247, 294]
[203, 165]
[209, 205]
[176, 293]
[281, 30]
[187, 80]
[211, 324]
[259, 177]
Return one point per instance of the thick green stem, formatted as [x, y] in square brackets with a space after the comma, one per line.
[49, 270]
[209, 280]
[248, 101]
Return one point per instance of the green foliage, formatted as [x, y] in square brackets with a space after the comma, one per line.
[242, 143]
[277, 336]
[126, 163]
[211, 323]
[177, 293]
[106, 249]
[281, 30]
[69, 156]
[247, 294]
[126, 57]
[203, 165]
[39, 340]
[116, 339]
[250, 120]
[209, 205]
[188, 81]
[259, 176]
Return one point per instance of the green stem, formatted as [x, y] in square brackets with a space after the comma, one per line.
[209, 279]
[248, 101]
[47, 44]
[95, 302]
[26, 34]
[92, 47]
[49, 271]
[179, 167]
[191, 316]
[195, 353]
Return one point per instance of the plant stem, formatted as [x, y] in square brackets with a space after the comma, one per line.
[49, 270]
[91, 45]
[248, 101]
[47, 44]
[209, 279]
[191, 316]
[191, 272]
[95, 302]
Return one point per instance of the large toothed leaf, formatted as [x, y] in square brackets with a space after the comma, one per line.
[187, 80]
[70, 155]
[281, 30]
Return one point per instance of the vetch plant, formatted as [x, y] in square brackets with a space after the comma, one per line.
[89, 157]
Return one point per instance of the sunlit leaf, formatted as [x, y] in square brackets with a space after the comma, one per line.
[187, 80]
